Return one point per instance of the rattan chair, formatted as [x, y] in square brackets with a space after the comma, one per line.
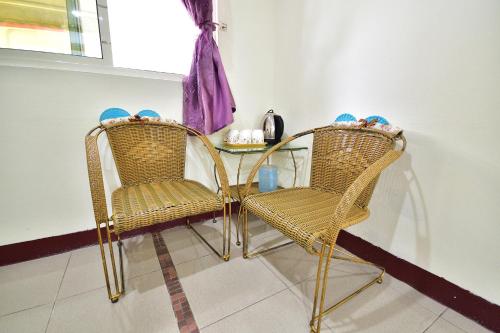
[150, 160]
[345, 166]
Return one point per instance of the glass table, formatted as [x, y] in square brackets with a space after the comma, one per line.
[235, 189]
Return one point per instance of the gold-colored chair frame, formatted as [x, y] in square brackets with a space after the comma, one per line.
[103, 220]
[325, 249]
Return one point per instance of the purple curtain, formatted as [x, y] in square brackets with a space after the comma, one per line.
[208, 101]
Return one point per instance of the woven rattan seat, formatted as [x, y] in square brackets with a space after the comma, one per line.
[145, 204]
[301, 214]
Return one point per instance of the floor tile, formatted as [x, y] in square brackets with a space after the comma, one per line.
[408, 291]
[85, 270]
[145, 307]
[183, 245]
[139, 256]
[442, 326]
[380, 308]
[463, 322]
[28, 321]
[279, 313]
[215, 288]
[258, 230]
[292, 264]
[31, 283]
[236, 296]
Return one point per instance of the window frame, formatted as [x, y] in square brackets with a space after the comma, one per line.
[104, 65]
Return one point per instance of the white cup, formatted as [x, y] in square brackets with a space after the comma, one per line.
[245, 136]
[232, 136]
[257, 136]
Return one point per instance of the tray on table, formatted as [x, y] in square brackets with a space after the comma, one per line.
[245, 145]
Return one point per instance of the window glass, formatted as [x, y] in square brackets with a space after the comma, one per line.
[156, 35]
[58, 26]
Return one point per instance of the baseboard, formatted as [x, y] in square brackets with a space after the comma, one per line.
[472, 306]
[445, 292]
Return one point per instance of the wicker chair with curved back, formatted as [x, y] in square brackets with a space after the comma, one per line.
[150, 160]
[345, 166]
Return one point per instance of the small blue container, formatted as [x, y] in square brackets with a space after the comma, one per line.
[268, 178]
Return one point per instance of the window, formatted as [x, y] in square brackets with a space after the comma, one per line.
[152, 35]
[57, 26]
[127, 37]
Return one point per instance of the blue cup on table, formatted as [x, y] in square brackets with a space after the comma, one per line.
[268, 178]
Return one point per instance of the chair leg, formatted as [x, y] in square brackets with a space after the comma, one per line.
[318, 279]
[315, 323]
[321, 284]
[229, 216]
[238, 225]
[226, 231]
[112, 296]
[244, 216]
[120, 252]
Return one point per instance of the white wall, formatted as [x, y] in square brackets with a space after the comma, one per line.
[46, 113]
[433, 68]
[248, 52]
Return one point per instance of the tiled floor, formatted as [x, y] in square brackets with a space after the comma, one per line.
[272, 293]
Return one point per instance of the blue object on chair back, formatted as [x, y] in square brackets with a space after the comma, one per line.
[344, 117]
[380, 120]
[112, 113]
[148, 113]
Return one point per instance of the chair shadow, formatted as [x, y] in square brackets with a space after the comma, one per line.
[398, 201]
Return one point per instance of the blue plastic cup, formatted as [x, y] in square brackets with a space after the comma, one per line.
[268, 178]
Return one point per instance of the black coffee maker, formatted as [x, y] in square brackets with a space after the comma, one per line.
[273, 127]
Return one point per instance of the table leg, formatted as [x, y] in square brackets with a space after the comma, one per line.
[218, 187]
[294, 168]
[238, 222]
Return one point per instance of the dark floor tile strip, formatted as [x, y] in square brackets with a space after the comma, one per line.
[180, 304]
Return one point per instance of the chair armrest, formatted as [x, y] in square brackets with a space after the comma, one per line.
[257, 165]
[219, 165]
[95, 177]
[356, 188]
